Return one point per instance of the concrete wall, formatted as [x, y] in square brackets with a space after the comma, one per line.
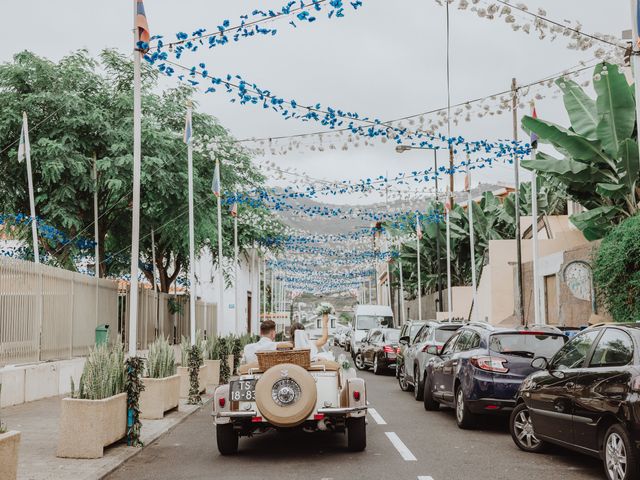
[461, 297]
[496, 289]
[26, 383]
[208, 288]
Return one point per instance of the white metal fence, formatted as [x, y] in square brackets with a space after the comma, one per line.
[164, 315]
[48, 313]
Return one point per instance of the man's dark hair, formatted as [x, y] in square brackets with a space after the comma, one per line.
[267, 326]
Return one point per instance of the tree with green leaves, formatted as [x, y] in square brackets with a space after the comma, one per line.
[600, 164]
[80, 112]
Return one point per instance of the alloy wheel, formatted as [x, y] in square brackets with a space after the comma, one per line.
[460, 406]
[375, 364]
[616, 457]
[402, 378]
[359, 361]
[524, 430]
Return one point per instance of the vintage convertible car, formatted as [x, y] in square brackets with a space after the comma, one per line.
[285, 390]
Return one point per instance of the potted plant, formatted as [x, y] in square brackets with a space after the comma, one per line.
[183, 369]
[9, 444]
[212, 360]
[95, 415]
[162, 384]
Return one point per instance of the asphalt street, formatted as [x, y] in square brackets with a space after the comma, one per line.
[404, 442]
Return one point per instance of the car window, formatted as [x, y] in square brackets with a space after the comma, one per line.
[375, 337]
[573, 353]
[448, 347]
[443, 334]
[474, 341]
[463, 341]
[614, 349]
[391, 336]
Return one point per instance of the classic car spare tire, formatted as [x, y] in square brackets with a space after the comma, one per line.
[286, 395]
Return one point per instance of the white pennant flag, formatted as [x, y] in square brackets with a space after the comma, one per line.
[24, 148]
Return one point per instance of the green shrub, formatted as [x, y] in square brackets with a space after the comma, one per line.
[185, 348]
[616, 271]
[211, 350]
[161, 362]
[103, 375]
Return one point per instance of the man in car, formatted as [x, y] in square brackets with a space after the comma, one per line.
[266, 342]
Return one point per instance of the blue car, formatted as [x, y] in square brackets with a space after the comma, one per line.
[480, 368]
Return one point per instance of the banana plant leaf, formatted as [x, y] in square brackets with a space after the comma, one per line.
[595, 223]
[581, 109]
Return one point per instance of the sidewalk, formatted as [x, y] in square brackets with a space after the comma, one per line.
[38, 422]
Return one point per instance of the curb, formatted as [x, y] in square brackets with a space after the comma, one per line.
[136, 450]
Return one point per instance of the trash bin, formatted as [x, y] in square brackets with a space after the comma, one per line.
[102, 334]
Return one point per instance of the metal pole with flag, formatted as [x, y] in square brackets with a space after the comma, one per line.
[215, 187]
[467, 187]
[234, 214]
[447, 207]
[141, 37]
[534, 230]
[188, 132]
[418, 238]
[402, 319]
[24, 152]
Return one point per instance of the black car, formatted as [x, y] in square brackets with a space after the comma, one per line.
[379, 350]
[480, 368]
[587, 398]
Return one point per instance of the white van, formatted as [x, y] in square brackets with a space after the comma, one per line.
[368, 317]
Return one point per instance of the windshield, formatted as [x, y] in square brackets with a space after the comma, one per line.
[526, 345]
[367, 322]
[443, 335]
[392, 336]
[414, 330]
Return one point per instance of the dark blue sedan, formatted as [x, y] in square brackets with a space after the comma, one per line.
[481, 367]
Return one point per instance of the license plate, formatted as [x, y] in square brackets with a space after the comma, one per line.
[243, 390]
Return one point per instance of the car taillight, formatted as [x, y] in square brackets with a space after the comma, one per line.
[222, 402]
[490, 364]
[635, 384]
[388, 349]
[356, 395]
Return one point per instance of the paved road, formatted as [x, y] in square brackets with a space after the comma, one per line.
[441, 450]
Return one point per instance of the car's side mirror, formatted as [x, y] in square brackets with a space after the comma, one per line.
[433, 350]
[541, 363]
[404, 340]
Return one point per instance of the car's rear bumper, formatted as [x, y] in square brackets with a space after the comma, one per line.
[490, 406]
[329, 412]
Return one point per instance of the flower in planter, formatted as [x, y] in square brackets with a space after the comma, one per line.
[325, 309]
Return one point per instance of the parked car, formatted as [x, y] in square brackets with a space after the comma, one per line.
[340, 335]
[433, 334]
[480, 368]
[379, 350]
[367, 317]
[408, 332]
[347, 340]
[586, 398]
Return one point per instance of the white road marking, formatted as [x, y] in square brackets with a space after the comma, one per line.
[404, 452]
[424, 478]
[376, 416]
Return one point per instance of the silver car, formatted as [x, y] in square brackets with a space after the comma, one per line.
[432, 334]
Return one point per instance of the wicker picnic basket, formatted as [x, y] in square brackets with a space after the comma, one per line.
[301, 357]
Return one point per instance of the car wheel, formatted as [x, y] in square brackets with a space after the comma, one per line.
[619, 454]
[402, 379]
[429, 403]
[522, 432]
[418, 390]
[377, 369]
[227, 439]
[357, 434]
[358, 360]
[464, 418]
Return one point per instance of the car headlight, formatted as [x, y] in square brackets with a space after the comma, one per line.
[285, 392]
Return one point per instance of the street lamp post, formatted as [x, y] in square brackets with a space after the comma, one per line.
[402, 149]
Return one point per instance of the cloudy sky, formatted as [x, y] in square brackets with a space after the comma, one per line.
[387, 60]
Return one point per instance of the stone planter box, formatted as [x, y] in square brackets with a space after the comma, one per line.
[159, 395]
[183, 372]
[87, 426]
[9, 445]
[213, 372]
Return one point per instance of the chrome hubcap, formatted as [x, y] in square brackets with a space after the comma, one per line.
[460, 405]
[375, 363]
[524, 430]
[359, 360]
[616, 457]
[402, 377]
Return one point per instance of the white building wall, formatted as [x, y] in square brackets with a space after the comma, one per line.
[207, 289]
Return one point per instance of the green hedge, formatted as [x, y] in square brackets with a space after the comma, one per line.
[616, 271]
